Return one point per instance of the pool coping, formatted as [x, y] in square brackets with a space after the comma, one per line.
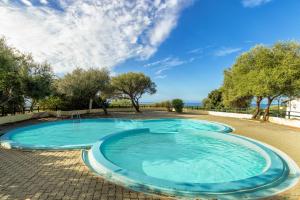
[124, 177]
[6, 142]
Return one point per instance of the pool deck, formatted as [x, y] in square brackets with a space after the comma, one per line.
[63, 175]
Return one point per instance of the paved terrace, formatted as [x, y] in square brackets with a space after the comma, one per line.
[62, 174]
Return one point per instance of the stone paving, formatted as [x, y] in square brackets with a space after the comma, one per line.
[55, 175]
[63, 175]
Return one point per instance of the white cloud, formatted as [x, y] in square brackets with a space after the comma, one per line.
[165, 64]
[43, 1]
[88, 33]
[196, 51]
[160, 77]
[26, 2]
[254, 3]
[201, 50]
[161, 66]
[226, 51]
[159, 62]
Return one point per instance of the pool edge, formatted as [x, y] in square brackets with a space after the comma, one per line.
[7, 143]
[256, 193]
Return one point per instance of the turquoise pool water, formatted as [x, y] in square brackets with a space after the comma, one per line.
[181, 157]
[83, 133]
[191, 163]
[184, 156]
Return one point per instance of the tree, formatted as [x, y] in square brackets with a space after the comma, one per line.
[282, 74]
[37, 81]
[264, 72]
[132, 86]
[244, 80]
[103, 97]
[232, 95]
[214, 100]
[21, 78]
[82, 87]
[177, 105]
[10, 81]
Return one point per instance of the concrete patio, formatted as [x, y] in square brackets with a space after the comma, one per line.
[62, 174]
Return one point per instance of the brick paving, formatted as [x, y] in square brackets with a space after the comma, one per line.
[63, 175]
[55, 175]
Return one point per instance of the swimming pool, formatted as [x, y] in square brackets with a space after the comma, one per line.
[78, 134]
[192, 163]
[174, 157]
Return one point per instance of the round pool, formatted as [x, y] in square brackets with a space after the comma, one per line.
[197, 157]
[191, 163]
[72, 134]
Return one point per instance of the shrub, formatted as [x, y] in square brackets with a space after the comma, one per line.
[158, 104]
[51, 103]
[164, 104]
[120, 103]
[177, 105]
[168, 105]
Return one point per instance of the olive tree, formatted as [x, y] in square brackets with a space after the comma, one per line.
[103, 96]
[243, 79]
[265, 72]
[10, 81]
[21, 78]
[283, 74]
[85, 86]
[214, 100]
[132, 86]
[230, 95]
[37, 81]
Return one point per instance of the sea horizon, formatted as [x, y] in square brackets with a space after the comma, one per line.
[189, 104]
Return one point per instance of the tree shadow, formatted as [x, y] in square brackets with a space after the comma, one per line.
[63, 175]
[54, 175]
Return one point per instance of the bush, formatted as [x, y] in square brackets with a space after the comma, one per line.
[168, 105]
[158, 104]
[177, 105]
[164, 104]
[120, 103]
[51, 103]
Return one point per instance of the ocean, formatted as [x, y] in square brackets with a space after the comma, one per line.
[263, 105]
[253, 105]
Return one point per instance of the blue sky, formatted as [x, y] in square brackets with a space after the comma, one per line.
[209, 35]
[183, 45]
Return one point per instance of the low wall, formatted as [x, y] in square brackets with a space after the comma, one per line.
[287, 122]
[27, 116]
[15, 118]
[22, 117]
[234, 115]
[276, 120]
[72, 112]
[82, 112]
